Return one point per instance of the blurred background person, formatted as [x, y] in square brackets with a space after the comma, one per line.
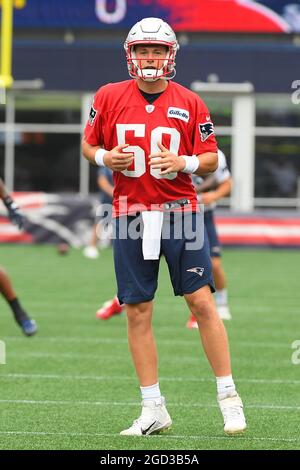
[210, 190]
[27, 325]
[101, 228]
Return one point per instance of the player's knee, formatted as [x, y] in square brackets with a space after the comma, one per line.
[202, 309]
[139, 314]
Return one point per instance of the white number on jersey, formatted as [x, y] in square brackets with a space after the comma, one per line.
[139, 154]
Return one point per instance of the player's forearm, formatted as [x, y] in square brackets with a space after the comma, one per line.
[208, 184]
[3, 191]
[105, 186]
[13, 210]
[208, 163]
[89, 151]
[223, 190]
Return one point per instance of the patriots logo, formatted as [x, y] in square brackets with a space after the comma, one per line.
[206, 129]
[92, 116]
[196, 270]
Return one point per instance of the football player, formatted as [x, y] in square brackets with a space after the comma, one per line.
[154, 134]
[27, 325]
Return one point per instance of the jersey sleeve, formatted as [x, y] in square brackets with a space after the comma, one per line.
[204, 139]
[222, 173]
[93, 129]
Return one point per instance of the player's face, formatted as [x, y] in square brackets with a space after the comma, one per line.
[151, 57]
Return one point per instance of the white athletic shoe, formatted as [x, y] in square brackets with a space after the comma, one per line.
[91, 252]
[224, 312]
[153, 420]
[232, 410]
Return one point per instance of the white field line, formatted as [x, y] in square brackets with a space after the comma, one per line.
[108, 378]
[187, 359]
[117, 403]
[75, 339]
[165, 436]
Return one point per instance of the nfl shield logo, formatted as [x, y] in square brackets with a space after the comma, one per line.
[150, 108]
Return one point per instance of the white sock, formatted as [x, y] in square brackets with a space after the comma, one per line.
[225, 386]
[221, 297]
[151, 393]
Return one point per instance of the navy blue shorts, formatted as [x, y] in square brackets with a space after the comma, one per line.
[214, 242]
[190, 269]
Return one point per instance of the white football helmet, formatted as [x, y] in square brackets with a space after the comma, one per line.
[151, 31]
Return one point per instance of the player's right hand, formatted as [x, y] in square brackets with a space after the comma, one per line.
[118, 160]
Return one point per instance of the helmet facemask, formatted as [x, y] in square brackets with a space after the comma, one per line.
[162, 67]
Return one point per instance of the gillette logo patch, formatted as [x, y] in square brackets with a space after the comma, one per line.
[179, 113]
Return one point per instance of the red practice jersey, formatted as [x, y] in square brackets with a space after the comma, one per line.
[178, 119]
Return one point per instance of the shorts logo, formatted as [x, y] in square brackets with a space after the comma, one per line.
[179, 113]
[196, 270]
[206, 129]
[92, 116]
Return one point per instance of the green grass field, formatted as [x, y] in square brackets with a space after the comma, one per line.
[73, 386]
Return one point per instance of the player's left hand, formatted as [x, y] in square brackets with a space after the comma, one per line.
[166, 161]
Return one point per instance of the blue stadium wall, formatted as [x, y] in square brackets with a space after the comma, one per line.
[88, 65]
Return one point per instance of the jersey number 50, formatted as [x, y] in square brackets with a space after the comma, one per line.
[139, 154]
